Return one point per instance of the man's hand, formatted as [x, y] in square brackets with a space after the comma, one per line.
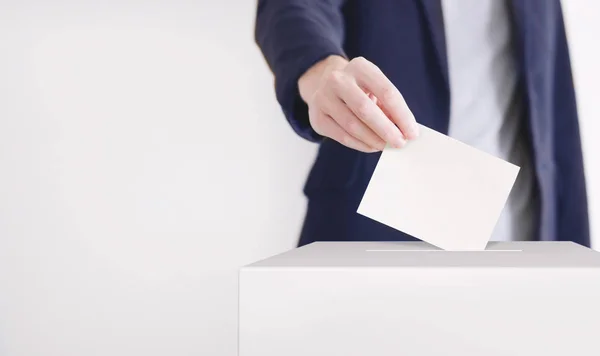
[355, 104]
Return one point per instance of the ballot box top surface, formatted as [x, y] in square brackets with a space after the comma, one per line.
[420, 254]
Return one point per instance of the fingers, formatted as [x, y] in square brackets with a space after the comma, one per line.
[344, 117]
[371, 79]
[330, 128]
[359, 107]
[370, 114]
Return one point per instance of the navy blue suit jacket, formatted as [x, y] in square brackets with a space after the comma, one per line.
[406, 39]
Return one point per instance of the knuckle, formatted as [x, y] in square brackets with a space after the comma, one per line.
[363, 108]
[388, 95]
[359, 61]
[335, 78]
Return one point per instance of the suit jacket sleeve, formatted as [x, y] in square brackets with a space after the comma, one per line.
[293, 35]
[572, 218]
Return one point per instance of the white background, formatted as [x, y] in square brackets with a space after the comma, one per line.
[143, 159]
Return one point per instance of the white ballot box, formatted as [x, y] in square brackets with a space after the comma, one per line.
[390, 299]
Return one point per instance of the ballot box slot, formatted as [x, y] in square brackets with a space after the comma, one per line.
[447, 251]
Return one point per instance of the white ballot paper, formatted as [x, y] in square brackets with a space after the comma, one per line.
[439, 190]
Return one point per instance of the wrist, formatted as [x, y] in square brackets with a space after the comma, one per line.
[309, 81]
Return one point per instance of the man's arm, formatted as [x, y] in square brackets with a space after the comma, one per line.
[322, 93]
[293, 35]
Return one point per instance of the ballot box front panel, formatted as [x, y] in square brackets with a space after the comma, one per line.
[389, 310]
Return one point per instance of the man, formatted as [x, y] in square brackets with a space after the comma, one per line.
[356, 75]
